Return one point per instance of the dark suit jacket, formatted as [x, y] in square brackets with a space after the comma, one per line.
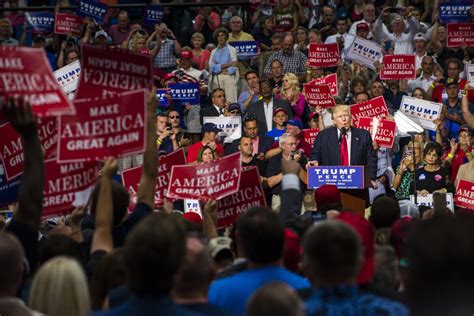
[264, 144]
[209, 110]
[327, 152]
[256, 109]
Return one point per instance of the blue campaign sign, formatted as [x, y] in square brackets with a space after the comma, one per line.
[245, 50]
[344, 177]
[452, 12]
[92, 9]
[162, 100]
[153, 14]
[40, 22]
[185, 92]
[8, 189]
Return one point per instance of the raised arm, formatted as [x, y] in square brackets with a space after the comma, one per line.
[102, 238]
[146, 189]
[468, 116]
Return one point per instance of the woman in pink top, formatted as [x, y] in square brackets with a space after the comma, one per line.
[291, 92]
[200, 55]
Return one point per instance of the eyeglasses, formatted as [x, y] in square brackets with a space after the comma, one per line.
[174, 117]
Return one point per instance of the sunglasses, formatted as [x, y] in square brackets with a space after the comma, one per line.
[173, 117]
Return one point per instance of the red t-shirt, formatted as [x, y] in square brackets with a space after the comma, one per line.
[193, 151]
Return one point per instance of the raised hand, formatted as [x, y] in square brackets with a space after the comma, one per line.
[20, 116]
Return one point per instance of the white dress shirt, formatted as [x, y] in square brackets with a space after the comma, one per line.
[268, 110]
[403, 42]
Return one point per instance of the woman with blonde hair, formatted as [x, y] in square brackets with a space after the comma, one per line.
[60, 288]
[200, 55]
[291, 92]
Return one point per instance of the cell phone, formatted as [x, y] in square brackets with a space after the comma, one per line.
[318, 216]
[169, 126]
[388, 45]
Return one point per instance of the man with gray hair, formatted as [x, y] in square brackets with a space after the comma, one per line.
[402, 41]
[332, 260]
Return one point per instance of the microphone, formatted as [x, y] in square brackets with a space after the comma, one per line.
[343, 132]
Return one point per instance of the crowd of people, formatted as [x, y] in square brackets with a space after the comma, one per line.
[309, 251]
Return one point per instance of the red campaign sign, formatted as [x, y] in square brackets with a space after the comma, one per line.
[464, 196]
[111, 126]
[398, 67]
[205, 181]
[309, 135]
[460, 34]
[67, 23]
[61, 181]
[26, 72]
[323, 55]
[250, 194]
[131, 177]
[330, 80]
[12, 145]
[375, 107]
[381, 130]
[107, 71]
[319, 95]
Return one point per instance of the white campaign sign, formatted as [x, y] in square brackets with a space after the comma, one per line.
[364, 52]
[68, 77]
[469, 71]
[231, 125]
[422, 111]
[428, 200]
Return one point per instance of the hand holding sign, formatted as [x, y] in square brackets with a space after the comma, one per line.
[110, 167]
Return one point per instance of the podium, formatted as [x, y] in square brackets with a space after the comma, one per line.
[352, 182]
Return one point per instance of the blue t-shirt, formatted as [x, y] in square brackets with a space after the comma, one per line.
[349, 301]
[275, 133]
[232, 293]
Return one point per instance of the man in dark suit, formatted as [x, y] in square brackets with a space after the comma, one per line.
[263, 109]
[344, 145]
[261, 143]
[216, 109]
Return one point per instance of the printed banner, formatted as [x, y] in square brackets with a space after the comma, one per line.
[344, 177]
[67, 23]
[230, 125]
[398, 67]
[245, 49]
[93, 9]
[8, 189]
[330, 80]
[107, 71]
[323, 55]
[428, 200]
[185, 92]
[250, 194]
[61, 183]
[375, 107]
[364, 52]
[68, 77]
[206, 180]
[40, 22]
[421, 110]
[469, 71]
[26, 72]
[309, 135]
[160, 95]
[450, 12]
[12, 145]
[153, 14]
[319, 95]
[460, 34]
[104, 127]
[131, 177]
[382, 131]
[464, 196]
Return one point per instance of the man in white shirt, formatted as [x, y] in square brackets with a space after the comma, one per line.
[421, 42]
[426, 78]
[402, 41]
[341, 37]
[369, 19]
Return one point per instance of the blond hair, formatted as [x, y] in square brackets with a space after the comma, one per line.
[135, 39]
[340, 108]
[60, 288]
[293, 80]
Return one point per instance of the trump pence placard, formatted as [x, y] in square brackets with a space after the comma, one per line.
[113, 126]
[344, 177]
[422, 111]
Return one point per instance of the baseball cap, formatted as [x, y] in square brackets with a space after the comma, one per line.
[210, 127]
[218, 244]
[465, 128]
[233, 107]
[362, 26]
[186, 54]
[312, 115]
[325, 195]
[295, 123]
[193, 217]
[420, 37]
[451, 81]
[169, 76]
[100, 33]
[277, 110]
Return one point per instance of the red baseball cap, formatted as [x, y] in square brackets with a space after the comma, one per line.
[277, 110]
[193, 217]
[186, 54]
[362, 26]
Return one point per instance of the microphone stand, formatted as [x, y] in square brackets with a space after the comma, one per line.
[415, 195]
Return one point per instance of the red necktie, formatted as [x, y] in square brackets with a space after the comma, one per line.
[344, 151]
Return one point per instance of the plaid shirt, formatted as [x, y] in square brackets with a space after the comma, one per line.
[295, 63]
[165, 57]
